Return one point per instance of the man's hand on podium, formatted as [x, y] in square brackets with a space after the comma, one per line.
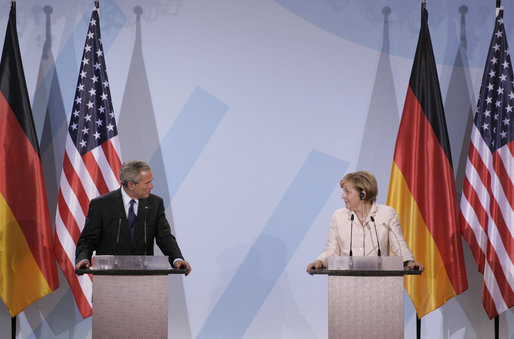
[314, 265]
[84, 263]
[182, 265]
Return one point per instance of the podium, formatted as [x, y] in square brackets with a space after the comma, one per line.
[365, 296]
[130, 296]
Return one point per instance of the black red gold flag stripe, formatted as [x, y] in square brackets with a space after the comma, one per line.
[28, 268]
[422, 186]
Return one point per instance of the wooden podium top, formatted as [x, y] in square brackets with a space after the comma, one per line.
[129, 271]
[130, 265]
[365, 266]
[364, 273]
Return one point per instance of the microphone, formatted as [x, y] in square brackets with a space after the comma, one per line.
[351, 234]
[118, 236]
[376, 234]
[146, 208]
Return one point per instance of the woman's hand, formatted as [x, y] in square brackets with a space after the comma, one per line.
[412, 265]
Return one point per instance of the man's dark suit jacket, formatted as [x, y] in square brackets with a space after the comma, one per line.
[106, 229]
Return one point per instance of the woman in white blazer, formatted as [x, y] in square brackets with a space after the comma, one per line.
[359, 194]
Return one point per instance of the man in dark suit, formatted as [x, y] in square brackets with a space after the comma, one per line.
[127, 220]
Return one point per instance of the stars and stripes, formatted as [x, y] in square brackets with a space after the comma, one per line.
[487, 201]
[92, 121]
[91, 160]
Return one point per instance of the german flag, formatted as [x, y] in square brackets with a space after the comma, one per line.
[28, 269]
[422, 186]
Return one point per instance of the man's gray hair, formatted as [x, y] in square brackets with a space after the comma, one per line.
[131, 171]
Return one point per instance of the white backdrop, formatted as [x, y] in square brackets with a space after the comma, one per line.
[250, 112]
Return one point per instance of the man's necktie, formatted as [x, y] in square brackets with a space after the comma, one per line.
[131, 220]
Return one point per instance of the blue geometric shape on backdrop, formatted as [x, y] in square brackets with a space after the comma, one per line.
[189, 135]
[56, 324]
[274, 247]
[361, 21]
[112, 20]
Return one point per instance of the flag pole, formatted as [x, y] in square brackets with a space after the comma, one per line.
[13, 319]
[418, 326]
[497, 320]
[418, 319]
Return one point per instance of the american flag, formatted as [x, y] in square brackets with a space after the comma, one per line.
[91, 160]
[487, 201]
